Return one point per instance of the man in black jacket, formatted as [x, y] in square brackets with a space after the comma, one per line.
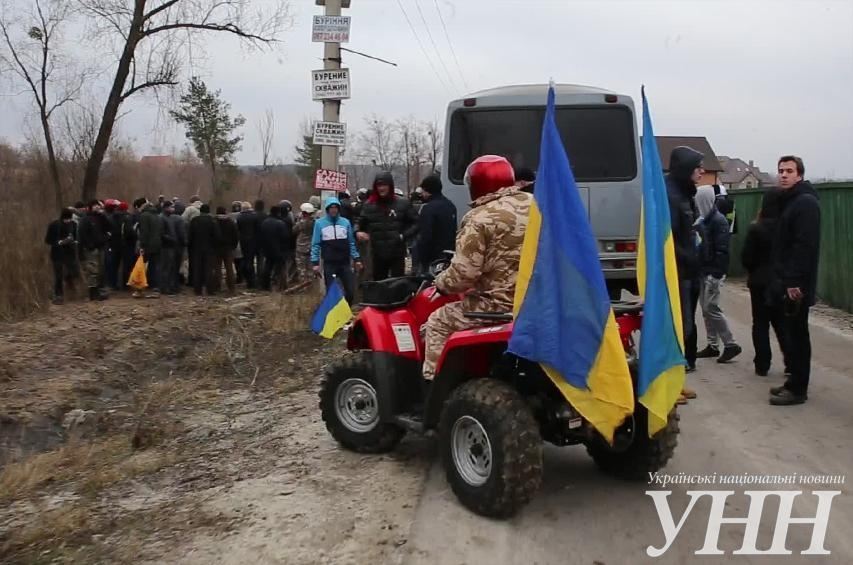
[229, 238]
[93, 235]
[62, 238]
[387, 221]
[685, 170]
[793, 283]
[757, 257]
[276, 235]
[249, 229]
[202, 242]
[436, 224]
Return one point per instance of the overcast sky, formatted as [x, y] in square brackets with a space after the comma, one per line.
[758, 78]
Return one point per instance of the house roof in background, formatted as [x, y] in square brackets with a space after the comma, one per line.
[666, 143]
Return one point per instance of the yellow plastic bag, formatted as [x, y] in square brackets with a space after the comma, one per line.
[138, 280]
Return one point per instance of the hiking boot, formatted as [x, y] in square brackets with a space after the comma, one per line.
[708, 353]
[761, 372]
[58, 301]
[93, 293]
[729, 353]
[787, 398]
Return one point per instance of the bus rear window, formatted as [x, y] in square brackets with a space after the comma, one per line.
[599, 140]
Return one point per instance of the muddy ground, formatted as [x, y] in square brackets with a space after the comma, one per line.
[186, 430]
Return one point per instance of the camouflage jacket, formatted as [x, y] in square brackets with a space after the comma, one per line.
[488, 250]
[304, 230]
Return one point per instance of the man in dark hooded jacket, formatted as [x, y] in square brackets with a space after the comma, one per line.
[757, 259]
[93, 235]
[685, 170]
[276, 237]
[436, 223]
[202, 241]
[793, 283]
[62, 238]
[151, 229]
[387, 221]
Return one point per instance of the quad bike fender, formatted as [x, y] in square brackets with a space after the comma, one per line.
[398, 383]
[386, 331]
[467, 355]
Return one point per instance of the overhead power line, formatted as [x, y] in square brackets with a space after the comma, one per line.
[450, 44]
[423, 50]
[434, 46]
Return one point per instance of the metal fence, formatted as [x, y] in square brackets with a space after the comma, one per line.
[835, 274]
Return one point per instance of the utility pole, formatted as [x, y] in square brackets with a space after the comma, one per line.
[331, 108]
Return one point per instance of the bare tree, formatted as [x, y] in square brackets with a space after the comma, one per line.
[266, 133]
[154, 36]
[77, 133]
[31, 54]
[379, 144]
[435, 144]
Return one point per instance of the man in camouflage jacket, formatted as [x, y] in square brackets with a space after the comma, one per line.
[485, 268]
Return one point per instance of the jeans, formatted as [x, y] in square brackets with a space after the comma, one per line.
[796, 317]
[169, 262]
[716, 326]
[764, 316]
[689, 289]
[343, 272]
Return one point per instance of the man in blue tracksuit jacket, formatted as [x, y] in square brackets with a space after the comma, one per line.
[333, 242]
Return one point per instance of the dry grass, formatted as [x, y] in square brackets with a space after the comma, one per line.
[89, 466]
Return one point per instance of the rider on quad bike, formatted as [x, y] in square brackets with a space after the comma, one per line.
[427, 359]
[488, 250]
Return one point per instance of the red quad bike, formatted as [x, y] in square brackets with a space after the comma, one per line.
[491, 410]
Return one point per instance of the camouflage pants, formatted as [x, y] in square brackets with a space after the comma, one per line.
[303, 265]
[92, 264]
[441, 325]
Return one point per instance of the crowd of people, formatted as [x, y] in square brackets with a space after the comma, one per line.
[215, 250]
[780, 254]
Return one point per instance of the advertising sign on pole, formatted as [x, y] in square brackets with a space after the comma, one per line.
[330, 133]
[331, 29]
[330, 84]
[325, 179]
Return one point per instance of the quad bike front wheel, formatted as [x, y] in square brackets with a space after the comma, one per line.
[491, 448]
[349, 405]
[644, 454]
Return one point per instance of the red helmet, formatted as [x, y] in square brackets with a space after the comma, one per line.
[111, 203]
[123, 206]
[488, 174]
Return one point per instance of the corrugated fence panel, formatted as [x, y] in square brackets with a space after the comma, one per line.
[835, 276]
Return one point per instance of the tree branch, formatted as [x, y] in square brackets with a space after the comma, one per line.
[162, 8]
[228, 28]
[147, 84]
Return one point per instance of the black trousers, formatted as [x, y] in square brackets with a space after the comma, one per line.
[273, 272]
[796, 318]
[64, 273]
[343, 272]
[247, 263]
[765, 316]
[202, 273]
[689, 289]
[384, 268]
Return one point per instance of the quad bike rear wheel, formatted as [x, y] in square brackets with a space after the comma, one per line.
[491, 448]
[349, 406]
[644, 455]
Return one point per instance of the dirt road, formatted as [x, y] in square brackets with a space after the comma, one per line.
[583, 517]
[243, 471]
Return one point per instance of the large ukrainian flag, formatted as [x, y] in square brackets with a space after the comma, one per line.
[563, 317]
[332, 314]
[661, 362]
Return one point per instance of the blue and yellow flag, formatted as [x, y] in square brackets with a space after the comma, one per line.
[661, 362]
[563, 317]
[333, 312]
